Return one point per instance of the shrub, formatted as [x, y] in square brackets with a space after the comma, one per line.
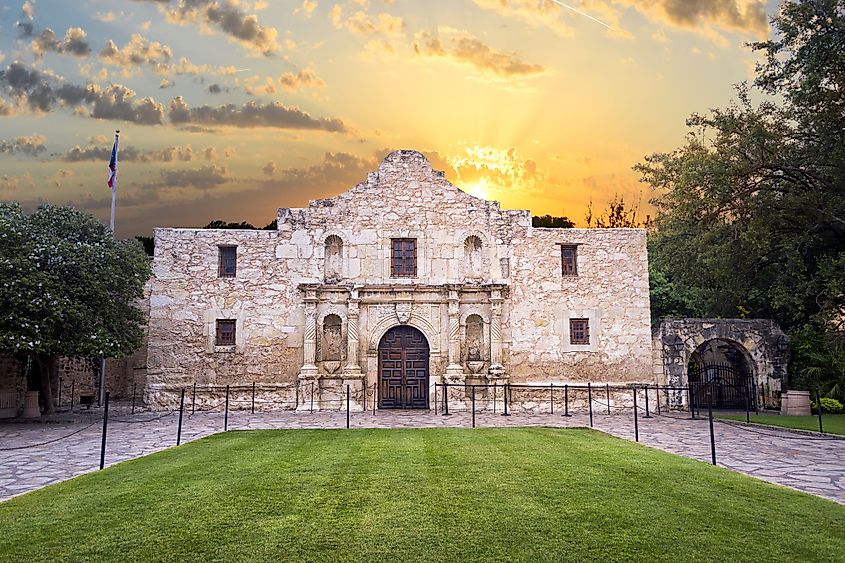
[831, 406]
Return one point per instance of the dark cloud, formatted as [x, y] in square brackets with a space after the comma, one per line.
[132, 154]
[466, 48]
[202, 178]
[252, 114]
[215, 89]
[29, 145]
[73, 43]
[43, 92]
[225, 16]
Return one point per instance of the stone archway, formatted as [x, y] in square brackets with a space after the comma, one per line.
[720, 373]
[403, 355]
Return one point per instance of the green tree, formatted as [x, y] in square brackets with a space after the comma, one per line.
[751, 209]
[552, 222]
[68, 288]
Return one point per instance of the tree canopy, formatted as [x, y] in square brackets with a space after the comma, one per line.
[69, 288]
[552, 222]
[751, 209]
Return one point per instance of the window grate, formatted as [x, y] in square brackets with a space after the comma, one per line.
[225, 332]
[579, 331]
[569, 259]
[403, 257]
[227, 261]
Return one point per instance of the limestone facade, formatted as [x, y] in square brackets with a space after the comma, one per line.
[313, 301]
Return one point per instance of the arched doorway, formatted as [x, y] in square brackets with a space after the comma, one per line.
[720, 371]
[403, 369]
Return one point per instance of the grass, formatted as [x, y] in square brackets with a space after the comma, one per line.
[529, 494]
[831, 423]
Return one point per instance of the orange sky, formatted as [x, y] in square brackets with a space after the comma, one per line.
[229, 109]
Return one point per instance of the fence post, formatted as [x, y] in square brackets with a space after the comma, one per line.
[72, 391]
[105, 427]
[590, 401]
[226, 412]
[494, 397]
[59, 403]
[347, 406]
[691, 400]
[253, 398]
[473, 406]
[367, 387]
[436, 406]
[445, 399]
[636, 418]
[181, 409]
[375, 397]
[607, 385]
[710, 416]
[134, 385]
[747, 405]
[506, 399]
[552, 396]
[566, 400]
[647, 413]
[819, 410]
[194, 399]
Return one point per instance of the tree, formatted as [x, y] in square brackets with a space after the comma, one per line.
[616, 216]
[218, 224]
[551, 222]
[69, 288]
[751, 209]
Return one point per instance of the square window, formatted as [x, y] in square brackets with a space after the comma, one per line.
[579, 331]
[569, 259]
[403, 257]
[225, 332]
[228, 261]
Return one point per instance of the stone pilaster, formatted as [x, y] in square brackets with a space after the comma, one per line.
[352, 366]
[496, 367]
[308, 374]
[454, 370]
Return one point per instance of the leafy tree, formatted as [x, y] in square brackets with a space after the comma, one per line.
[148, 243]
[549, 221]
[218, 224]
[68, 288]
[751, 209]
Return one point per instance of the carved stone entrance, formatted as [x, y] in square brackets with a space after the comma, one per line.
[403, 369]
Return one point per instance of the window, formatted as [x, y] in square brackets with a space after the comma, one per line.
[569, 259]
[403, 257]
[228, 261]
[225, 332]
[579, 331]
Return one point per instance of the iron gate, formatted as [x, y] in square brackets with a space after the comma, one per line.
[729, 386]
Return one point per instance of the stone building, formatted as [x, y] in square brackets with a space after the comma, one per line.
[401, 282]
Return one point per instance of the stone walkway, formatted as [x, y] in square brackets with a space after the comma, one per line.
[808, 463]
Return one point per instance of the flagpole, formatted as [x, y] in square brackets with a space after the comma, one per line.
[102, 395]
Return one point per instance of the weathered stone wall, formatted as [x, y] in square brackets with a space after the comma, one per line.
[286, 286]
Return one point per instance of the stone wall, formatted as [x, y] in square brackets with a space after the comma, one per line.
[477, 266]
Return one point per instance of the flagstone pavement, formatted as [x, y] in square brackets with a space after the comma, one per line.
[813, 464]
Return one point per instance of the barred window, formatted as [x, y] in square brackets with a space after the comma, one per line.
[403, 257]
[227, 262]
[569, 259]
[225, 332]
[579, 331]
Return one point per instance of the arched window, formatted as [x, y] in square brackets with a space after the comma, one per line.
[472, 257]
[332, 270]
[332, 338]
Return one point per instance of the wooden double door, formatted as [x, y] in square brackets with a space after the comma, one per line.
[403, 369]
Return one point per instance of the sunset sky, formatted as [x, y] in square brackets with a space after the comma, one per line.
[229, 109]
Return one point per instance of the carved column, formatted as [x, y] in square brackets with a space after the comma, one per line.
[308, 383]
[454, 369]
[496, 367]
[352, 367]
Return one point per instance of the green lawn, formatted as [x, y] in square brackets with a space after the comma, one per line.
[831, 423]
[529, 494]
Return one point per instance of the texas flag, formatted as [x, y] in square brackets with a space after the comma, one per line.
[113, 166]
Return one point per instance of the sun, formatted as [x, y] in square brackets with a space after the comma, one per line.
[477, 189]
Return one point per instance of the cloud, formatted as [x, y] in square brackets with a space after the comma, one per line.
[536, 13]
[361, 23]
[305, 78]
[201, 178]
[138, 51]
[73, 43]
[225, 16]
[269, 169]
[29, 145]
[307, 8]
[462, 47]
[252, 114]
[747, 16]
[25, 24]
[129, 153]
[11, 184]
[484, 171]
[43, 92]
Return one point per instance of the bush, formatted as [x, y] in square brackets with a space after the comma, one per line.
[831, 406]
